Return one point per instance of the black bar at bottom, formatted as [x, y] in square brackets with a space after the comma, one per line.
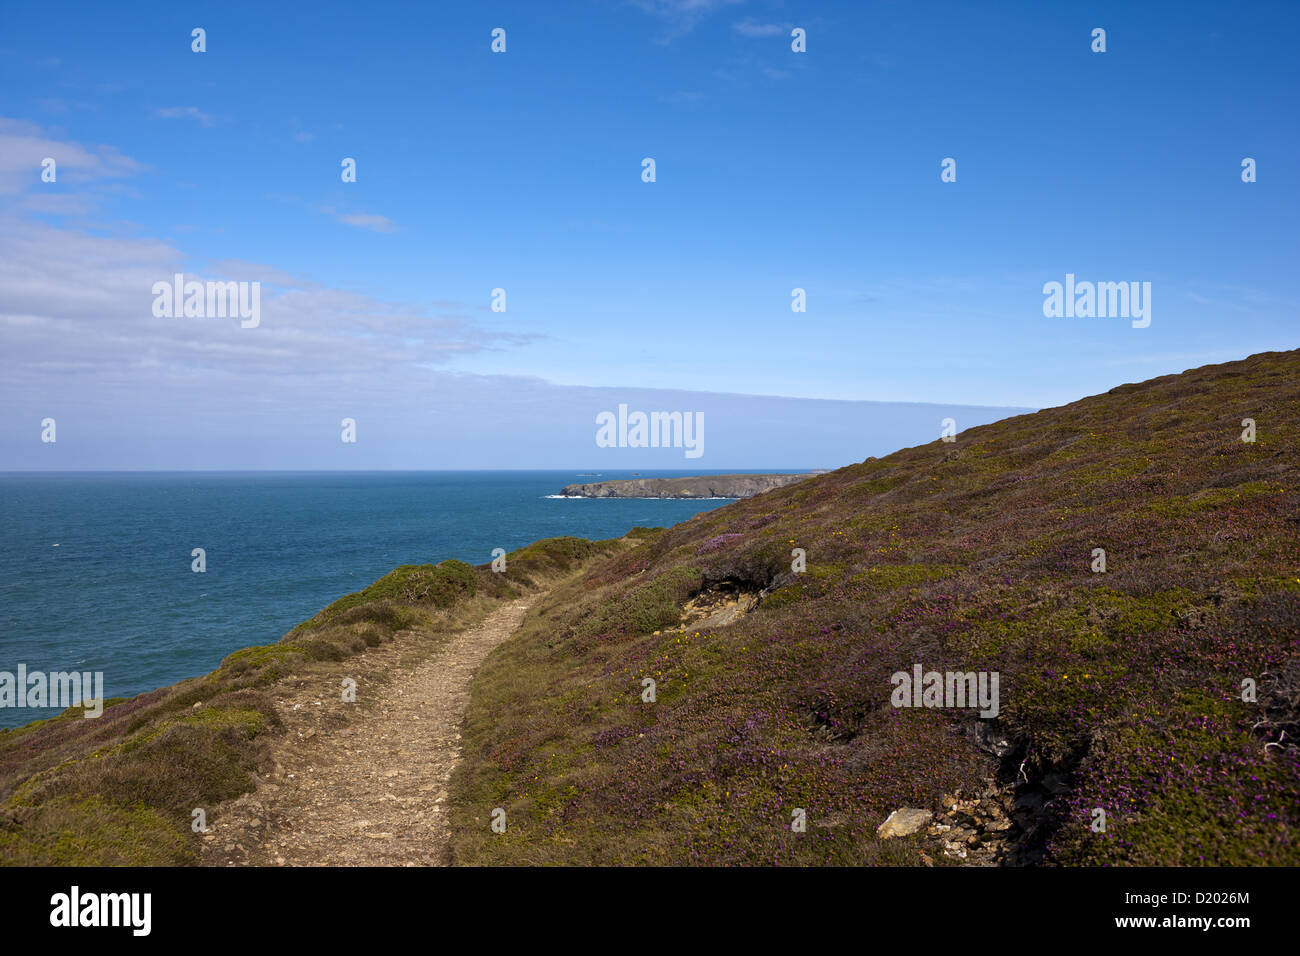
[334, 906]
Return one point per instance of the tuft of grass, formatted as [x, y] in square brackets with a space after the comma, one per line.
[438, 585]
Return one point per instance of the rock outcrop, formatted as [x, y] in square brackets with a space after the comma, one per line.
[707, 486]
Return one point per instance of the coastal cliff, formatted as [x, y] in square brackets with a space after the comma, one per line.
[686, 700]
[707, 486]
[681, 695]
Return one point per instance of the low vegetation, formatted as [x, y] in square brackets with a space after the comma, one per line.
[120, 789]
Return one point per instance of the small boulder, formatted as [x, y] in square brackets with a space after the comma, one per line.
[903, 822]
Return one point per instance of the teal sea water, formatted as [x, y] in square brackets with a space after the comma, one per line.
[95, 568]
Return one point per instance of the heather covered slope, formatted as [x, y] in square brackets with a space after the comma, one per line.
[1119, 690]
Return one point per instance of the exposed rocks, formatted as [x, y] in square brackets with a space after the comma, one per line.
[977, 830]
[717, 606]
[997, 827]
[707, 486]
[990, 740]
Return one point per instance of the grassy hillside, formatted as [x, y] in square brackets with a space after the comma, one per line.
[120, 789]
[1119, 690]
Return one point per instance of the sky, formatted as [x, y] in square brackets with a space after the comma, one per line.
[522, 170]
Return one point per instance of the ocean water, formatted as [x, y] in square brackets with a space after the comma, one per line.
[95, 569]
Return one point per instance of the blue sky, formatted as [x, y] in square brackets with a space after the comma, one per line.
[521, 170]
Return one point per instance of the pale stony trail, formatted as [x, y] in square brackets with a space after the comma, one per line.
[370, 789]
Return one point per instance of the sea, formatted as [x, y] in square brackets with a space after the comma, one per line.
[96, 569]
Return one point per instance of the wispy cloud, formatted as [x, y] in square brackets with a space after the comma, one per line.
[361, 220]
[185, 112]
[366, 221]
[300, 135]
[241, 269]
[79, 298]
[24, 145]
[75, 300]
[749, 27]
[54, 104]
[681, 16]
[683, 96]
[61, 204]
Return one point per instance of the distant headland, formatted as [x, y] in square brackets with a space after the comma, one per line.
[707, 486]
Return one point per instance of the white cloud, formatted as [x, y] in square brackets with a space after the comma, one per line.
[70, 301]
[24, 145]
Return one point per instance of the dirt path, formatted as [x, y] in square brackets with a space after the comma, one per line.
[369, 788]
